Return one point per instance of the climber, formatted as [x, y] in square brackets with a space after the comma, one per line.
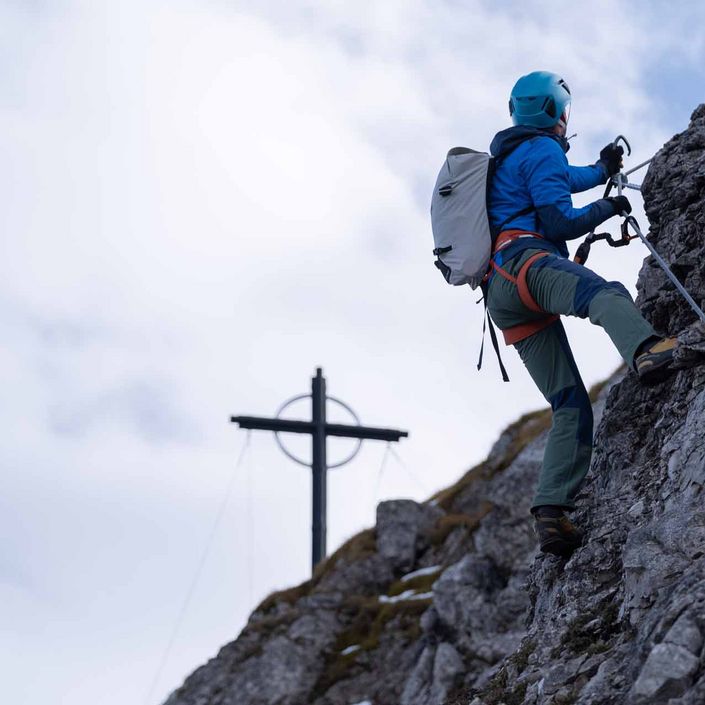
[531, 210]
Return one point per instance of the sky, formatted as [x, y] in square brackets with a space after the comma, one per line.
[203, 201]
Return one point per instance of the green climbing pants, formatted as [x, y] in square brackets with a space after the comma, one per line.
[563, 287]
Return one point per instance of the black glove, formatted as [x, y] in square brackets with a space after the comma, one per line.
[611, 158]
[621, 204]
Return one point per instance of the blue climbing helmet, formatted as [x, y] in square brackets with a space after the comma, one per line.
[540, 99]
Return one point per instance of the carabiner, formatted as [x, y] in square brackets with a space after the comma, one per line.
[622, 138]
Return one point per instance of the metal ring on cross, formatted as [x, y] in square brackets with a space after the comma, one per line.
[290, 455]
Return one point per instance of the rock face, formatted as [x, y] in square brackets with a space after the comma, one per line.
[448, 603]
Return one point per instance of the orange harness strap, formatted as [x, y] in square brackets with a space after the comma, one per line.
[520, 281]
[508, 236]
[524, 330]
[524, 294]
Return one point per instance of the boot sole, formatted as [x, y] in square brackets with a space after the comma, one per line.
[657, 372]
[559, 547]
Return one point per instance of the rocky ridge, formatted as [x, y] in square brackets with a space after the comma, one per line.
[447, 602]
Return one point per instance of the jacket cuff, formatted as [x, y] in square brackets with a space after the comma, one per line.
[606, 209]
[603, 168]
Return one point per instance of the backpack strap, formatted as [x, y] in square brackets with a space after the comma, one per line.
[487, 322]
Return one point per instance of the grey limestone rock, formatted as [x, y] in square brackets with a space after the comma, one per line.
[402, 527]
[686, 634]
[434, 675]
[667, 672]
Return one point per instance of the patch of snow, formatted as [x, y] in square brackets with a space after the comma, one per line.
[406, 595]
[364, 702]
[422, 596]
[422, 571]
[350, 650]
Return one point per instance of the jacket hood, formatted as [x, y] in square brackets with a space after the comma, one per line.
[508, 140]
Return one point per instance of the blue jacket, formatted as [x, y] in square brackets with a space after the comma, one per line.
[532, 170]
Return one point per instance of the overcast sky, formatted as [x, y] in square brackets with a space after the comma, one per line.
[202, 202]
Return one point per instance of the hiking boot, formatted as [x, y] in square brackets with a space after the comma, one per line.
[556, 532]
[652, 364]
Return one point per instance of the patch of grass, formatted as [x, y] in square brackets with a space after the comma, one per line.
[444, 498]
[460, 695]
[599, 647]
[516, 695]
[252, 651]
[337, 668]
[496, 688]
[448, 522]
[407, 614]
[522, 432]
[500, 692]
[410, 631]
[570, 698]
[268, 624]
[290, 596]
[354, 549]
[421, 583]
[370, 617]
[590, 633]
[521, 657]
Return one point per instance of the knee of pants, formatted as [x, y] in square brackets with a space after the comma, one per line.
[618, 288]
[589, 289]
[576, 397]
[612, 292]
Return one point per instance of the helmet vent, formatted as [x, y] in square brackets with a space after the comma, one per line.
[549, 106]
[564, 85]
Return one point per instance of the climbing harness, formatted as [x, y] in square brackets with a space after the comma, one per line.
[621, 181]
[524, 330]
[514, 334]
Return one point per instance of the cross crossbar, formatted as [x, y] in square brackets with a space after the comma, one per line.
[339, 430]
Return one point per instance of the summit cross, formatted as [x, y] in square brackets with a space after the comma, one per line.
[319, 429]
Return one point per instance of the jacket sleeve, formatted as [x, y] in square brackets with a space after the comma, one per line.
[547, 174]
[583, 178]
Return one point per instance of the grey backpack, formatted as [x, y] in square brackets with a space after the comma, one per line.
[461, 227]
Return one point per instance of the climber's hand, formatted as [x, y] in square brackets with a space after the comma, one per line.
[620, 204]
[611, 158]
